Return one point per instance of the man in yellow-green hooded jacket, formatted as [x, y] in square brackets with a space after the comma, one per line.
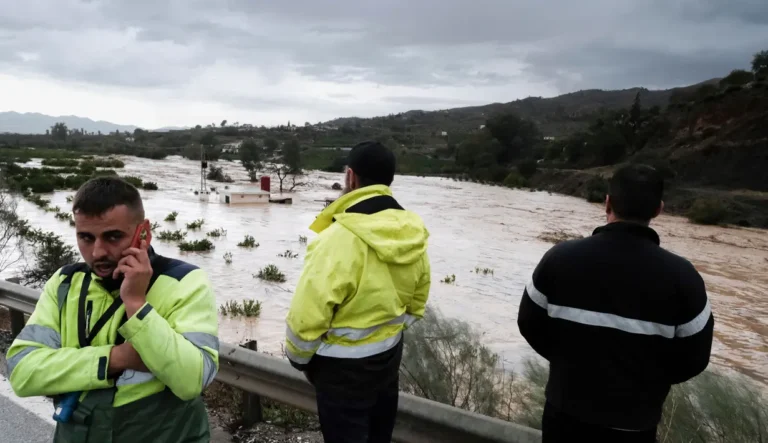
[366, 279]
[130, 335]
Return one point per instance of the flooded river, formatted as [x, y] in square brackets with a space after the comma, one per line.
[471, 226]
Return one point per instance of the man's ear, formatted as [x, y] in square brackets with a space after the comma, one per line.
[659, 210]
[608, 208]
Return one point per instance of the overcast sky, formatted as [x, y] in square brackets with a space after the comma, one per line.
[156, 63]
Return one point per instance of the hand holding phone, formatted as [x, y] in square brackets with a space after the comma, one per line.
[136, 269]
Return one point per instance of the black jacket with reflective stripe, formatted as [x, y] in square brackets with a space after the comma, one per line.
[620, 320]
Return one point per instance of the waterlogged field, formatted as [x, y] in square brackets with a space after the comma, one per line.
[473, 228]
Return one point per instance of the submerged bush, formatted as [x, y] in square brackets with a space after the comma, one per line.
[197, 224]
[707, 211]
[196, 245]
[247, 308]
[596, 190]
[248, 242]
[177, 235]
[150, 186]
[271, 273]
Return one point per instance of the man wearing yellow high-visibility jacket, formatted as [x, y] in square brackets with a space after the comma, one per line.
[366, 278]
[130, 335]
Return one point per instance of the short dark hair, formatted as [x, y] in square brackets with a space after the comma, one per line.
[636, 192]
[99, 195]
[373, 163]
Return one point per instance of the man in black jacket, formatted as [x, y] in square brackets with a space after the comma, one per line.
[619, 318]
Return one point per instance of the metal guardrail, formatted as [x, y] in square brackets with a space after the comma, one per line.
[418, 420]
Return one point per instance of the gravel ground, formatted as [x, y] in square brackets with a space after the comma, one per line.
[266, 433]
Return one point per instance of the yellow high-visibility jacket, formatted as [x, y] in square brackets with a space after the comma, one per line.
[366, 278]
[175, 333]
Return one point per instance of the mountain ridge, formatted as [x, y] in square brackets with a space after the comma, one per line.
[38, 123]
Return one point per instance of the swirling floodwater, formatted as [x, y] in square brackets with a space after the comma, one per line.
[471, 226]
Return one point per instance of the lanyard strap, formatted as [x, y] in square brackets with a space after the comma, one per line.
[84, 336]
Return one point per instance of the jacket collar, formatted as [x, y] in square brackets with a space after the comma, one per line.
[635, 229]
[345, 201]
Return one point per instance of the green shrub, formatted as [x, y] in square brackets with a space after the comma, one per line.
[104, 163]
[135, 181]
[196, 245]
[150, 186]
[64, 216]
[515, 180]
[38, 201]
[288, 254]
[247, 308]
[172, 216]
[484, 271]
[177, 235]
[302, 240]
[218, 232]
[248, 242]
[707, 211]
[527, 168]
[195, 225]
[449, 279]
[63, 162]
[596, 189]
[40, 184]
[271, 273]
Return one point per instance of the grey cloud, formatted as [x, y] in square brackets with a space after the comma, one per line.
[423, 44]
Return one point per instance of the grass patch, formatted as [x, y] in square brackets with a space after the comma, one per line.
[449, 279]
[196, 245]
[271, 273]
[216, 233]
[245, 308]
[195, 225]
[557, 237]
[707, 211]
[289, 254]
[248, 242]
[172, 216]
[177, 235]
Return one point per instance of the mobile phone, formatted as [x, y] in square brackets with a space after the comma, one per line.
[144, 227]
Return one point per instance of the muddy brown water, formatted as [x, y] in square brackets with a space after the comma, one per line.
[471, 226]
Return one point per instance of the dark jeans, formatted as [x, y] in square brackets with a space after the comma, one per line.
[559, 428]
[357, 418]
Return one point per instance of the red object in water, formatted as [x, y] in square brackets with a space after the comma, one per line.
[265, 186]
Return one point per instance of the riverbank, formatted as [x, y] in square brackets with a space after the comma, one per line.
[742, 207]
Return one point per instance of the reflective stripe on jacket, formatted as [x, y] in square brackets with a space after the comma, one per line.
[176, 334]
[366, 277]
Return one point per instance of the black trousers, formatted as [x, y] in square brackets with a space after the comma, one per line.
[362, 417]
[557, 427]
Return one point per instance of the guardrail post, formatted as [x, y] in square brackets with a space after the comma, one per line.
[252, 412]
[17, 317]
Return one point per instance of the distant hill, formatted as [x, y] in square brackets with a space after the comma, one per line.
[556, 116]
[35, 123]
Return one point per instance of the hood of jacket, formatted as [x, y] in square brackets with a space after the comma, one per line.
[397, 236]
